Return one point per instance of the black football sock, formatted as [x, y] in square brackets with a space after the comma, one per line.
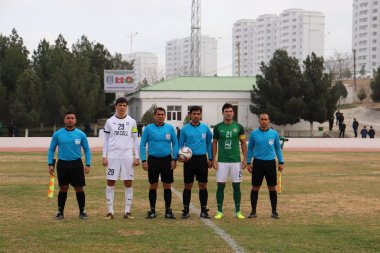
[273, 200]
[203, 197]
[81, 199]
[254, 197]
[168, 198]
[152, 199]
[186, 197]
[62, 196]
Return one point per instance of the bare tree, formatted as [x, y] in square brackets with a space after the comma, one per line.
[340, 66]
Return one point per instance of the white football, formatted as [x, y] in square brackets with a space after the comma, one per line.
[185, 153]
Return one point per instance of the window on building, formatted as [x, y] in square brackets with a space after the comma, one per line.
[174, 112]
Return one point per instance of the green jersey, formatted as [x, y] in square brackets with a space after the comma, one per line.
[229, 137]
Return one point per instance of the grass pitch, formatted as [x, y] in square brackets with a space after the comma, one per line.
[330, 203]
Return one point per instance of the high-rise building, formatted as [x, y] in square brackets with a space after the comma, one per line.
[145, 65]
[366, 34]
[178, 59]
[297, 31]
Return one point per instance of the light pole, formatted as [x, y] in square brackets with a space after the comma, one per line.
[354, 51]
[133, 34]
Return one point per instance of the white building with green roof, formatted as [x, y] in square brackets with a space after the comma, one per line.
[179, 94]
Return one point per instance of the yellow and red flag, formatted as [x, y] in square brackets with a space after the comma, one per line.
[279, 183]
[51, 187]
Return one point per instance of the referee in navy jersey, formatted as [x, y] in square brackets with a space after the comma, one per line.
[264, 145]
[197, 136]
[70, 169]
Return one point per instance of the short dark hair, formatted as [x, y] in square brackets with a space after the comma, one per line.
[70, 113]
[121, 100]
[264, 113]
[195, 108]
[159, 109]
[226, 106]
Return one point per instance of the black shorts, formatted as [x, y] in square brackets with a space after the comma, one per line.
[70, 172]
[197, 166]
[261, 168]
[160, 166]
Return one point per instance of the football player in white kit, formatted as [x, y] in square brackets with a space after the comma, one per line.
[119, 139]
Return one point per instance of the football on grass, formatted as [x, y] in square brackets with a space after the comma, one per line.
[185, 153]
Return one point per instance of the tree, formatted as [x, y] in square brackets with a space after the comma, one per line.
[340, 66]
[375, 86]
[278, 90]
[13, 62]
[315, 87]
[147, 118]
[362, 94]
[335, 92]
[26, 106]
[119, 63]
[362, 71]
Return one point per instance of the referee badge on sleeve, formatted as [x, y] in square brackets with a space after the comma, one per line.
[168, 136]
[271, 141]
[77, 141]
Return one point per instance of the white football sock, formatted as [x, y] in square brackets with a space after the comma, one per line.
[110, 192]
[128, 199]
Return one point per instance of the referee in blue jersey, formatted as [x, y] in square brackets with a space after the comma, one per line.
[198, 137]
[162, 159]
[264, 145]
[70, 169]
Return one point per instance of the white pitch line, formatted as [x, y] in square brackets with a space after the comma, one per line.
[219, 231]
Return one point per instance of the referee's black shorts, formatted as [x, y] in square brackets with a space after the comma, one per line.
[264, 168]
[196, 167]
[71, 172]
[160, 166]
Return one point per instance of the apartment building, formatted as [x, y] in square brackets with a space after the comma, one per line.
[145, 66]
[366, 34]
[178, 58]
[298, 31]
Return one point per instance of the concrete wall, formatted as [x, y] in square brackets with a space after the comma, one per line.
[293, 143]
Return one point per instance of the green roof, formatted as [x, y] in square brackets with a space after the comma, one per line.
[204, 83]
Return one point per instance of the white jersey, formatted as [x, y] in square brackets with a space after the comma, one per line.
[120, 142]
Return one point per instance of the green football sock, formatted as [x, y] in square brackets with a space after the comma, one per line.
[237, 196]
[220, 196]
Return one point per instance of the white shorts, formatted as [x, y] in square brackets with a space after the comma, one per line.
[226, 168]
[119, 168]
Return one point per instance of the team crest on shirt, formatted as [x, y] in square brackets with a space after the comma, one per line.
[234, 130]
[168, 136]
[77, 141]
[203, 136]
[271, 141]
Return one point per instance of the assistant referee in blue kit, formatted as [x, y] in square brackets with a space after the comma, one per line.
[70, 168]
[264, 145]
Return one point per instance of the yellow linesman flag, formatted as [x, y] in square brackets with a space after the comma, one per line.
[51, 187]
[279, 183]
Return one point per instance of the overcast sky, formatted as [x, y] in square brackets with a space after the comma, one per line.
[157, 21]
